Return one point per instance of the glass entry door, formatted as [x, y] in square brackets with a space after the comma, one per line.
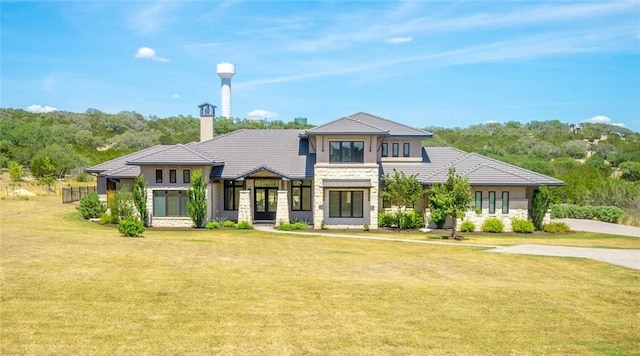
[265, 199]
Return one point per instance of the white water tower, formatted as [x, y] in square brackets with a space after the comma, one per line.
[225, 71]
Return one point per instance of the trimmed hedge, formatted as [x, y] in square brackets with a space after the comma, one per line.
[494, 225]
[610, 214]
[298, 225]
[522, 226]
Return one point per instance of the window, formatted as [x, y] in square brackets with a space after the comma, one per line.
[346, 151]
[395, 149]
[346, 204]
[386, 204]
[301, 195]
[385, 150]
[158, 175]
[492, 202]
[478, 200]
[405, 149]
[186, 176]
[505, 202]
[170, 203]
[172, 176]
[232, 190]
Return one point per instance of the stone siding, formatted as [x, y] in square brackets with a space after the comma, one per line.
[171, 222]
[282, 209]
[245, 210]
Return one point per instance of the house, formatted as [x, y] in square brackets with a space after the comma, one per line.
[330, 175]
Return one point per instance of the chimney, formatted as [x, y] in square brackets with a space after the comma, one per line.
[207, 121]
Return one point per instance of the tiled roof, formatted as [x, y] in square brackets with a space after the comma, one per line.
[282, 152]
[478, 169]
[173, 155]
[121, 161]
[367, 124]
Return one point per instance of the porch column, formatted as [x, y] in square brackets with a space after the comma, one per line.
[282, 210]
[245, 213]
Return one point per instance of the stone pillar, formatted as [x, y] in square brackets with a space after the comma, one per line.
[245, 213]
[282, 210]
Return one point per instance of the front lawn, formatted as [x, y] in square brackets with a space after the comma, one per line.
[75, 287]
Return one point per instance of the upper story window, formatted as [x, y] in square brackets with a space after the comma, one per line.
[158, 175]
[172, 176]
[395, 149]
[405, 149]
[346, 151]
[186, 176]
[385, 150]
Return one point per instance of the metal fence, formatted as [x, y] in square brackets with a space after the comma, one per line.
[71, 194]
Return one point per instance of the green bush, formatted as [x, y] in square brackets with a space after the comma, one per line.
[91, 207]
[611, 214]
[108, 219]
[213, 225]
[245, 225]
[412, 220]
[83, 177]
[228, 223]
[494, 225]
[467, 226]
[298, 225]
[555, 227]
[387, 219]
[522, 226]
[131, 227]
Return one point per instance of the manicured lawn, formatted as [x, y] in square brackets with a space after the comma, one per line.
[75, 287]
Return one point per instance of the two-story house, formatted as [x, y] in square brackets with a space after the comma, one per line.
[330, 175]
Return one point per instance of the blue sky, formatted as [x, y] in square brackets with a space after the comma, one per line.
[450, 64]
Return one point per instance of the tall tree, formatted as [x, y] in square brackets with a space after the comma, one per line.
[197, 203]
[539, 206]
[451, 198]
[402, 191]
[140, 199]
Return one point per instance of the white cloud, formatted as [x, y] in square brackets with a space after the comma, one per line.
[601, 119]
[40, 109]
[396, 40]
[490, 122]
[261, 114]
[149, 53]
[175, 96]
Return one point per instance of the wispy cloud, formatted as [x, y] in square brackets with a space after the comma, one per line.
[149, 53]
[601, 119]
[153, 18]
[397, 40]
[260, 114]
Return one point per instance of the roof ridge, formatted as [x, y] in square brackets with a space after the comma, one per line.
[520, 169]
[366, 123]
[480, 165]
[166, 147]
[123, 157]
[388, 120]
[196, 153]
[450, 163]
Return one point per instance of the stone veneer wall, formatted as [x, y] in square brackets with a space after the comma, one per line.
[245, 212]
[345, 172]
[282, 209]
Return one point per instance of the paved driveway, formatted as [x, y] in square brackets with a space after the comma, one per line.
[601, 227]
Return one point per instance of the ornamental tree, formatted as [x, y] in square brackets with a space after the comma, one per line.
[197, 203]
[402, 191]
[451, 198]
[140, 199]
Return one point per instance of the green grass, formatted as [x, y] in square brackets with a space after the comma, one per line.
[75, 287]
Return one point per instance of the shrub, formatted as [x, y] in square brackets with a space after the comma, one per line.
[245, 225]
[131, 227]
[555, 227]
[228, 223]
[298, 225]
[412, 220]
[124, 203]
[83, 177]
[609, 214]
[213, 225]
[91, 207]
[387, 219]
[108, 219]
[539, 207]
[522, 226]
[494, 225]
[467, 226]
[197, 203]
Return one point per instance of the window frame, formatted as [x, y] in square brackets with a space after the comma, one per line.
[159, 175]
[303, 186]
[492, 202]
[353, 208]
[166, 196]
[406, 149]
[232, 187]
[353, 152]
[173, 176]
[505, 207]
[384, 150]
[186, 176]
[478, 200]
[395, 149]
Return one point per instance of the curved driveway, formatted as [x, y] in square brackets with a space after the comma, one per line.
[601, 227]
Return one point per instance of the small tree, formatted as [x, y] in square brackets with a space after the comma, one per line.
[15, 172]
[402, 191]
[451, 198]
[140, 199]
[91, 206]
[41, 167]
[539, 206]
[197, 203]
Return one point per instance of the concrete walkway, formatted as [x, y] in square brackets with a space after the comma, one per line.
[619, 257]
[601, 227]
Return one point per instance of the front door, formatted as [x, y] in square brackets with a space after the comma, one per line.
[265, 202]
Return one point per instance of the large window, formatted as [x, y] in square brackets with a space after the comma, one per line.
[395, 149]
[346, 151]
[406, 149]
[478, 200]
[170, 203]
[492, 202]
[505, 202]
[385, 150]
[232, 190]
[301, 195]
[158, 175]
[346, 204]
[172, 176]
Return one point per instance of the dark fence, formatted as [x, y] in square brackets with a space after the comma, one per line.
[71, 194]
